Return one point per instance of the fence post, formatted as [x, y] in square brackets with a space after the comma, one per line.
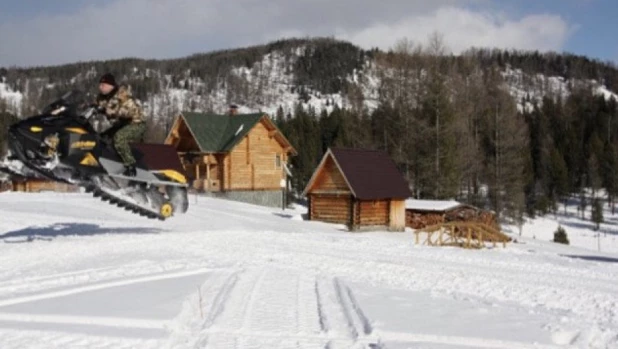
[469, 237]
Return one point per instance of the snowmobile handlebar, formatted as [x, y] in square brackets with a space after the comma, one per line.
[90, 112]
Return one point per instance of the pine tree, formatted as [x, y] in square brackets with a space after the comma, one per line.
[438, 112]
[597, 213]
[396, 127]
[6, 120]
[279, 117]
[558, 177]
[594, 178]
[583, 202]
[505, 146]
[539, 138]
[609, 173]
[469, 90]
[560, 236]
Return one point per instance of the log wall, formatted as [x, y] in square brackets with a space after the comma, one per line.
[373, 213]
[330, 208]
[35, 186]
[5, 186]
[252, 164]
[423, 219]
[472, 214]
[420, 220]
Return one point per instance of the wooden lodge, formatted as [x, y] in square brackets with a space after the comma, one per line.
[362, 189]
[33, 185]
[421, 214]
[5, 186]
[236, 156]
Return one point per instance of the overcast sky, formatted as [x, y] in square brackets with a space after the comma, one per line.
[35, 32]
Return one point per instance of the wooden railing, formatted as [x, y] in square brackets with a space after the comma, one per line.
[461, 234]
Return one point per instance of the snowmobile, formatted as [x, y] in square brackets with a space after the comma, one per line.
[61, 144]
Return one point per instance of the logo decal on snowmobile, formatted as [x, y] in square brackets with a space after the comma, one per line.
[175, 175]
[84, 144]
[89, 160]
[78, 130]
[36, 129]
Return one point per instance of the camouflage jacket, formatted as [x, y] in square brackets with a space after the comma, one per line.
[121, 105]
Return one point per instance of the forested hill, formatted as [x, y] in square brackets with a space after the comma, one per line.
[513, 131]
[320, 71]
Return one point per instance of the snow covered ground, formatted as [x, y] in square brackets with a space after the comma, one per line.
[78, 273]
[581, 232]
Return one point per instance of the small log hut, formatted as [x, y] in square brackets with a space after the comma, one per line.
[360, 188]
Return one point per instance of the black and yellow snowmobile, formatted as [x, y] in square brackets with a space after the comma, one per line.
[61, 145]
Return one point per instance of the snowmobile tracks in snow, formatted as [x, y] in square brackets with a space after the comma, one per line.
[275, 307]
[341, 317]
[17, 339]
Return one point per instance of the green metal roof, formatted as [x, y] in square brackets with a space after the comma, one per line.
[219, 133]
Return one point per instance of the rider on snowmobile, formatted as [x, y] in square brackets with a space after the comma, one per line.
[117, 103]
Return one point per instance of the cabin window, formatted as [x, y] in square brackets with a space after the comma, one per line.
[277, 160]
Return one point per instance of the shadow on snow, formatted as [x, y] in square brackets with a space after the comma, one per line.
[590, 226]
[68, 229]
[593, 258]
[283, 215]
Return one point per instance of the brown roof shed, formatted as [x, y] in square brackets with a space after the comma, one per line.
[358, 187]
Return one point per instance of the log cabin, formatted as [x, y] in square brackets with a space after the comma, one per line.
[236, 156]
[35, 185]
[360, 188]
[5, 186]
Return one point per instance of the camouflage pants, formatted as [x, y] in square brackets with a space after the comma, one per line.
[132, 133]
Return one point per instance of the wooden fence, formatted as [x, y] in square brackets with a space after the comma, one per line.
[461, 234]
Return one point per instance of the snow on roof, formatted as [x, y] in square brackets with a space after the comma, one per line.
[431, 205]
[239, 129]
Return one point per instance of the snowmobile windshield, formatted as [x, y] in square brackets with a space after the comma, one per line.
[74, 101]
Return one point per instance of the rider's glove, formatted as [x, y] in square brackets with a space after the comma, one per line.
[99, 109]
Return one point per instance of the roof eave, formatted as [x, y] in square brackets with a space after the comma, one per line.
[343, 174]
[197, 141]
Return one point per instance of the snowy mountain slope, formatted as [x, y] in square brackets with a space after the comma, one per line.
[268, 83]
[83, 274]
[266, 86]
[533, 87]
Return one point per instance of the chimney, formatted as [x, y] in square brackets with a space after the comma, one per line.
[233, 109]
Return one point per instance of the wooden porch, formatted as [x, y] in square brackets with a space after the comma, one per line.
[205, 171]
